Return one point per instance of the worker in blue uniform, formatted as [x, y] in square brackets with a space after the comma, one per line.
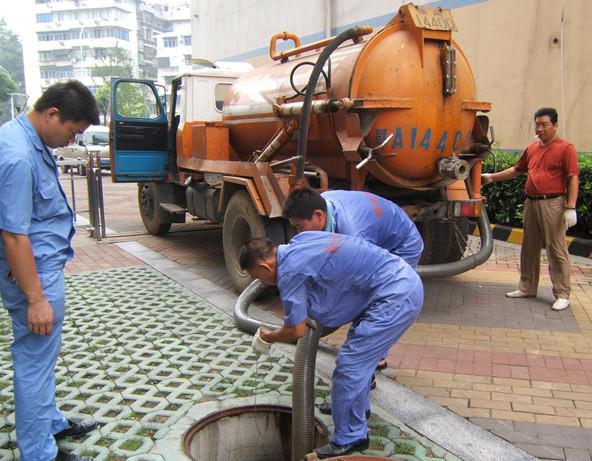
[366, 215]
[336, 279]
[36, 226]
[363, 214]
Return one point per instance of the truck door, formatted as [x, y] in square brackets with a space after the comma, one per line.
[138, 132]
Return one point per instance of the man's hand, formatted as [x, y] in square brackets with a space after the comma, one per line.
[570, 217]
[259, 345]
[40, 317]
[486, 179]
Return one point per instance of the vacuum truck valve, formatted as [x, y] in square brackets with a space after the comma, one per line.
[372, 150]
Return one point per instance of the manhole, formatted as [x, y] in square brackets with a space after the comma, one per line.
[249, 433]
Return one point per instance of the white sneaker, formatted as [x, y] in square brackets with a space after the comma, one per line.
[560, 304]
[518, 294]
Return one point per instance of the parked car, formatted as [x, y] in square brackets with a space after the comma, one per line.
[94, 139]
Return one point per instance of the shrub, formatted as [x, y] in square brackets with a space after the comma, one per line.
[505, 200]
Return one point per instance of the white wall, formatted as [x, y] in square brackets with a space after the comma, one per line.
[509, 44]
[241, 29]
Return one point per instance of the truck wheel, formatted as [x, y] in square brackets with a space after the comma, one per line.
[444, 241]
[152, 216]
[241, 223]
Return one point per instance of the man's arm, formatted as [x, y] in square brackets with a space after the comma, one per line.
[508, 173]
[22, 265]
[573, 186]
[284, 334]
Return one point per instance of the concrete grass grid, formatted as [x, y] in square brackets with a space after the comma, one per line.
[140, 351]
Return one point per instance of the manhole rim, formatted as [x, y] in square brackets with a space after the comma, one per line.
[239, 410]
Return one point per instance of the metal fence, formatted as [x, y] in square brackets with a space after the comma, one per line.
[94, 184]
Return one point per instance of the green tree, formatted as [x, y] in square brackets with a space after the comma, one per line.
[7, 85]
[116, 64]
[11, 55]
[103, 97]
[12, 75]
[136, 100]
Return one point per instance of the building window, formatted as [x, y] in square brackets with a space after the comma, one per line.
[186, 40]
[220, 93]
[57, 72]
[187, 58]
[44, 17]
[170, 42]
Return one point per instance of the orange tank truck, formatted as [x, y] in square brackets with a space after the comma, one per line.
[394, 112]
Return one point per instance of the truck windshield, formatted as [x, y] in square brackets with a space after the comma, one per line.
[98, 139]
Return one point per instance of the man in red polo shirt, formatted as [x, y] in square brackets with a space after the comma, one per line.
[551, 165]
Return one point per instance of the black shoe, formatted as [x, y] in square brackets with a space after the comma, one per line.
[330, 450]
[373, 383]
[63, 456]
[325, 408]
[77, 429]
[382, 366]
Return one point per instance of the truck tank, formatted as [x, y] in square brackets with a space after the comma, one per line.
[406, 80]
[394, 112]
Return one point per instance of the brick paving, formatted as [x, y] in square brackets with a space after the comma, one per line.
[514, 367]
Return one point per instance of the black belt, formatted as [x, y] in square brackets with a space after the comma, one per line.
[543, 197]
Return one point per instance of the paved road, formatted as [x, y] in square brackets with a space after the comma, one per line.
[515, 367]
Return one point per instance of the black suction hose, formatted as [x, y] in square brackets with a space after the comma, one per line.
[303, 375]
[304, 125]
[303, 395]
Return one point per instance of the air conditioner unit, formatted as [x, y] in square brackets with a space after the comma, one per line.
[57, 24]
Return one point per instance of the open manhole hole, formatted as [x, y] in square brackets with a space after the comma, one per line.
[248, 433]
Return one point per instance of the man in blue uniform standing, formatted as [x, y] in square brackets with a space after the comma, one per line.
[36, 224]
[373, 218]
[336, 279]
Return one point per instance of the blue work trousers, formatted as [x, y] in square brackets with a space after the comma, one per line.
[368, 340]
[34, 358]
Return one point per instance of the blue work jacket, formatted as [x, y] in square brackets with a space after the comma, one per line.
[32, 201]
[333, 278]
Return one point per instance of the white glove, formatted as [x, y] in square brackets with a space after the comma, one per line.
[259, 345]
[570, 217]
[486, 179]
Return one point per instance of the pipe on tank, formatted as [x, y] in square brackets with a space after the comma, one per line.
[304, 125]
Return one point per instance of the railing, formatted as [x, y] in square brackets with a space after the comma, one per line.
[94, 182]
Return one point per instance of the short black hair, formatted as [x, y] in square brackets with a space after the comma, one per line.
[254, 250]
[551, 112]
[301, 203]
[75, 102]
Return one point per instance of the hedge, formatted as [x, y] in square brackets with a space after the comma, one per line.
[505, 200]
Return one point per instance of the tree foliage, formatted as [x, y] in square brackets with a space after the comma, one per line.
[117, 64]
[7, 85]
[12, 75]
[11, 55]
[505, 199]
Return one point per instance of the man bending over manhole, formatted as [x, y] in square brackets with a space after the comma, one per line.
[336, 279]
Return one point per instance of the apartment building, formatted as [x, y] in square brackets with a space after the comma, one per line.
[76, 38]
[174, 47]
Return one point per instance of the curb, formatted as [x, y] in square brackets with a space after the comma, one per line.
[575, 246]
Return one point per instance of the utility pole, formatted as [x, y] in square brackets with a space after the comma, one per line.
[21, 102]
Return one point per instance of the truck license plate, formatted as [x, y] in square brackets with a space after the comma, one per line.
[432, 18]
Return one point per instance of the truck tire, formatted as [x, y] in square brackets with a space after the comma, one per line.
[444, 241]
[241, 223]
[153, 217]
